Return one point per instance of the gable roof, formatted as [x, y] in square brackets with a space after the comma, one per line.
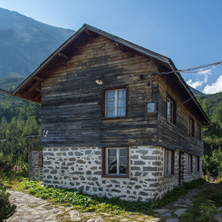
[32, 82]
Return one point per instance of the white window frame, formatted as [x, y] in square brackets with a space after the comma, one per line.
[115, 102]
[117, 162]
[168, 162]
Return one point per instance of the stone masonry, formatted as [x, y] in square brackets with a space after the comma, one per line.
[81, 169]
[35, 165]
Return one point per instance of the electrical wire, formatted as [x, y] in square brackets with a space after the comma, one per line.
[194, 69]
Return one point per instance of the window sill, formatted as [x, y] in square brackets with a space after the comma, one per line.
[171, 124]
[168, 175]
[115, 176]
[114, 118]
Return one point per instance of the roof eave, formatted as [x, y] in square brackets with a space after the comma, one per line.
[173, 67]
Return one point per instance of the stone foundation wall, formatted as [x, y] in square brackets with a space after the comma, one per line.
[35, 165]
[189, 176]
[80, 168]
[167, 183]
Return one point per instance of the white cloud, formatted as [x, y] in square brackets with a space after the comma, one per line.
[205, 73]
[194, 84]
[214, 87]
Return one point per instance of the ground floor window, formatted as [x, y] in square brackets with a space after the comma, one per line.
[116, 162]
[190, 163]
[197, 163]
[169, 162]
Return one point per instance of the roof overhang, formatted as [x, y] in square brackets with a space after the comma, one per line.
[32, 82]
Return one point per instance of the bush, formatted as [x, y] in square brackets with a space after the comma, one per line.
[6, 209]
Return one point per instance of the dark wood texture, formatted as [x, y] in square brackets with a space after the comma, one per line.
[177, 137]
[72, 101]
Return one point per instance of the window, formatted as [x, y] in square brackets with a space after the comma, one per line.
[171, 111]
[115, 103]
[115, 162]
[197, 163]
[190, 163]
[199, 132]
[169, 162]
[151, 108]
[192, 128]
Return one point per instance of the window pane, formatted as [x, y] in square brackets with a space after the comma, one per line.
[123, 169]
[123, 152]
[110, 113]
[121, 112]
[112, 169]
[110, 95]
[168, 110]
[122, 94]
[112, 152]
[110, 104]
[122, 161]
[112, 160]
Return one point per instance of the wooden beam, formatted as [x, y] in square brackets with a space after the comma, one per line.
[88, 32]
[4, 91]
[38, 78]
[60, 54]
[34, 86]
[37, 97]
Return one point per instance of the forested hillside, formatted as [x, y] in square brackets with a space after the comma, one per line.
[25, 43]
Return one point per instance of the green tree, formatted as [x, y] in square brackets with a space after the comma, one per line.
[206, 107]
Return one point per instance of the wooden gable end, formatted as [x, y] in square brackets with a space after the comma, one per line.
[72, 101]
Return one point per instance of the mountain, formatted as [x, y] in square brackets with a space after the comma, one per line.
[196, 92]
[25, 43]
[213, 100]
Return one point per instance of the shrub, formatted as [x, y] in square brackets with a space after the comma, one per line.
[6, 209]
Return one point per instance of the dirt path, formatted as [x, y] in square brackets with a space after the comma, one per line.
[30, 208]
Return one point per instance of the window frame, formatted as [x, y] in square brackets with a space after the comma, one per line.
[105, 163]
[171, 164]
[197, 164]
[104, 102]
[190, 163]
[173, 110]
[192, 127]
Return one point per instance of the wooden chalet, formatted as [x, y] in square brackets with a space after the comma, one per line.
[117, 119]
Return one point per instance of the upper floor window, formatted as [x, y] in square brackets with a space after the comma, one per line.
[169, 162]
[192, 127]
[199, 132]
[115, 162]
[171, 110]
[115, 103]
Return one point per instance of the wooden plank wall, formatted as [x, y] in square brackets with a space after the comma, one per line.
[178, 137]
[72, 101]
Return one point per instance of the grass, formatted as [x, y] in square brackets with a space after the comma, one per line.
[205, 204]
[11, 182]
[110, 209]
[175, 194]
[87, 203]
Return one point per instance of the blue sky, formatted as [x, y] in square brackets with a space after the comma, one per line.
[189, 32]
